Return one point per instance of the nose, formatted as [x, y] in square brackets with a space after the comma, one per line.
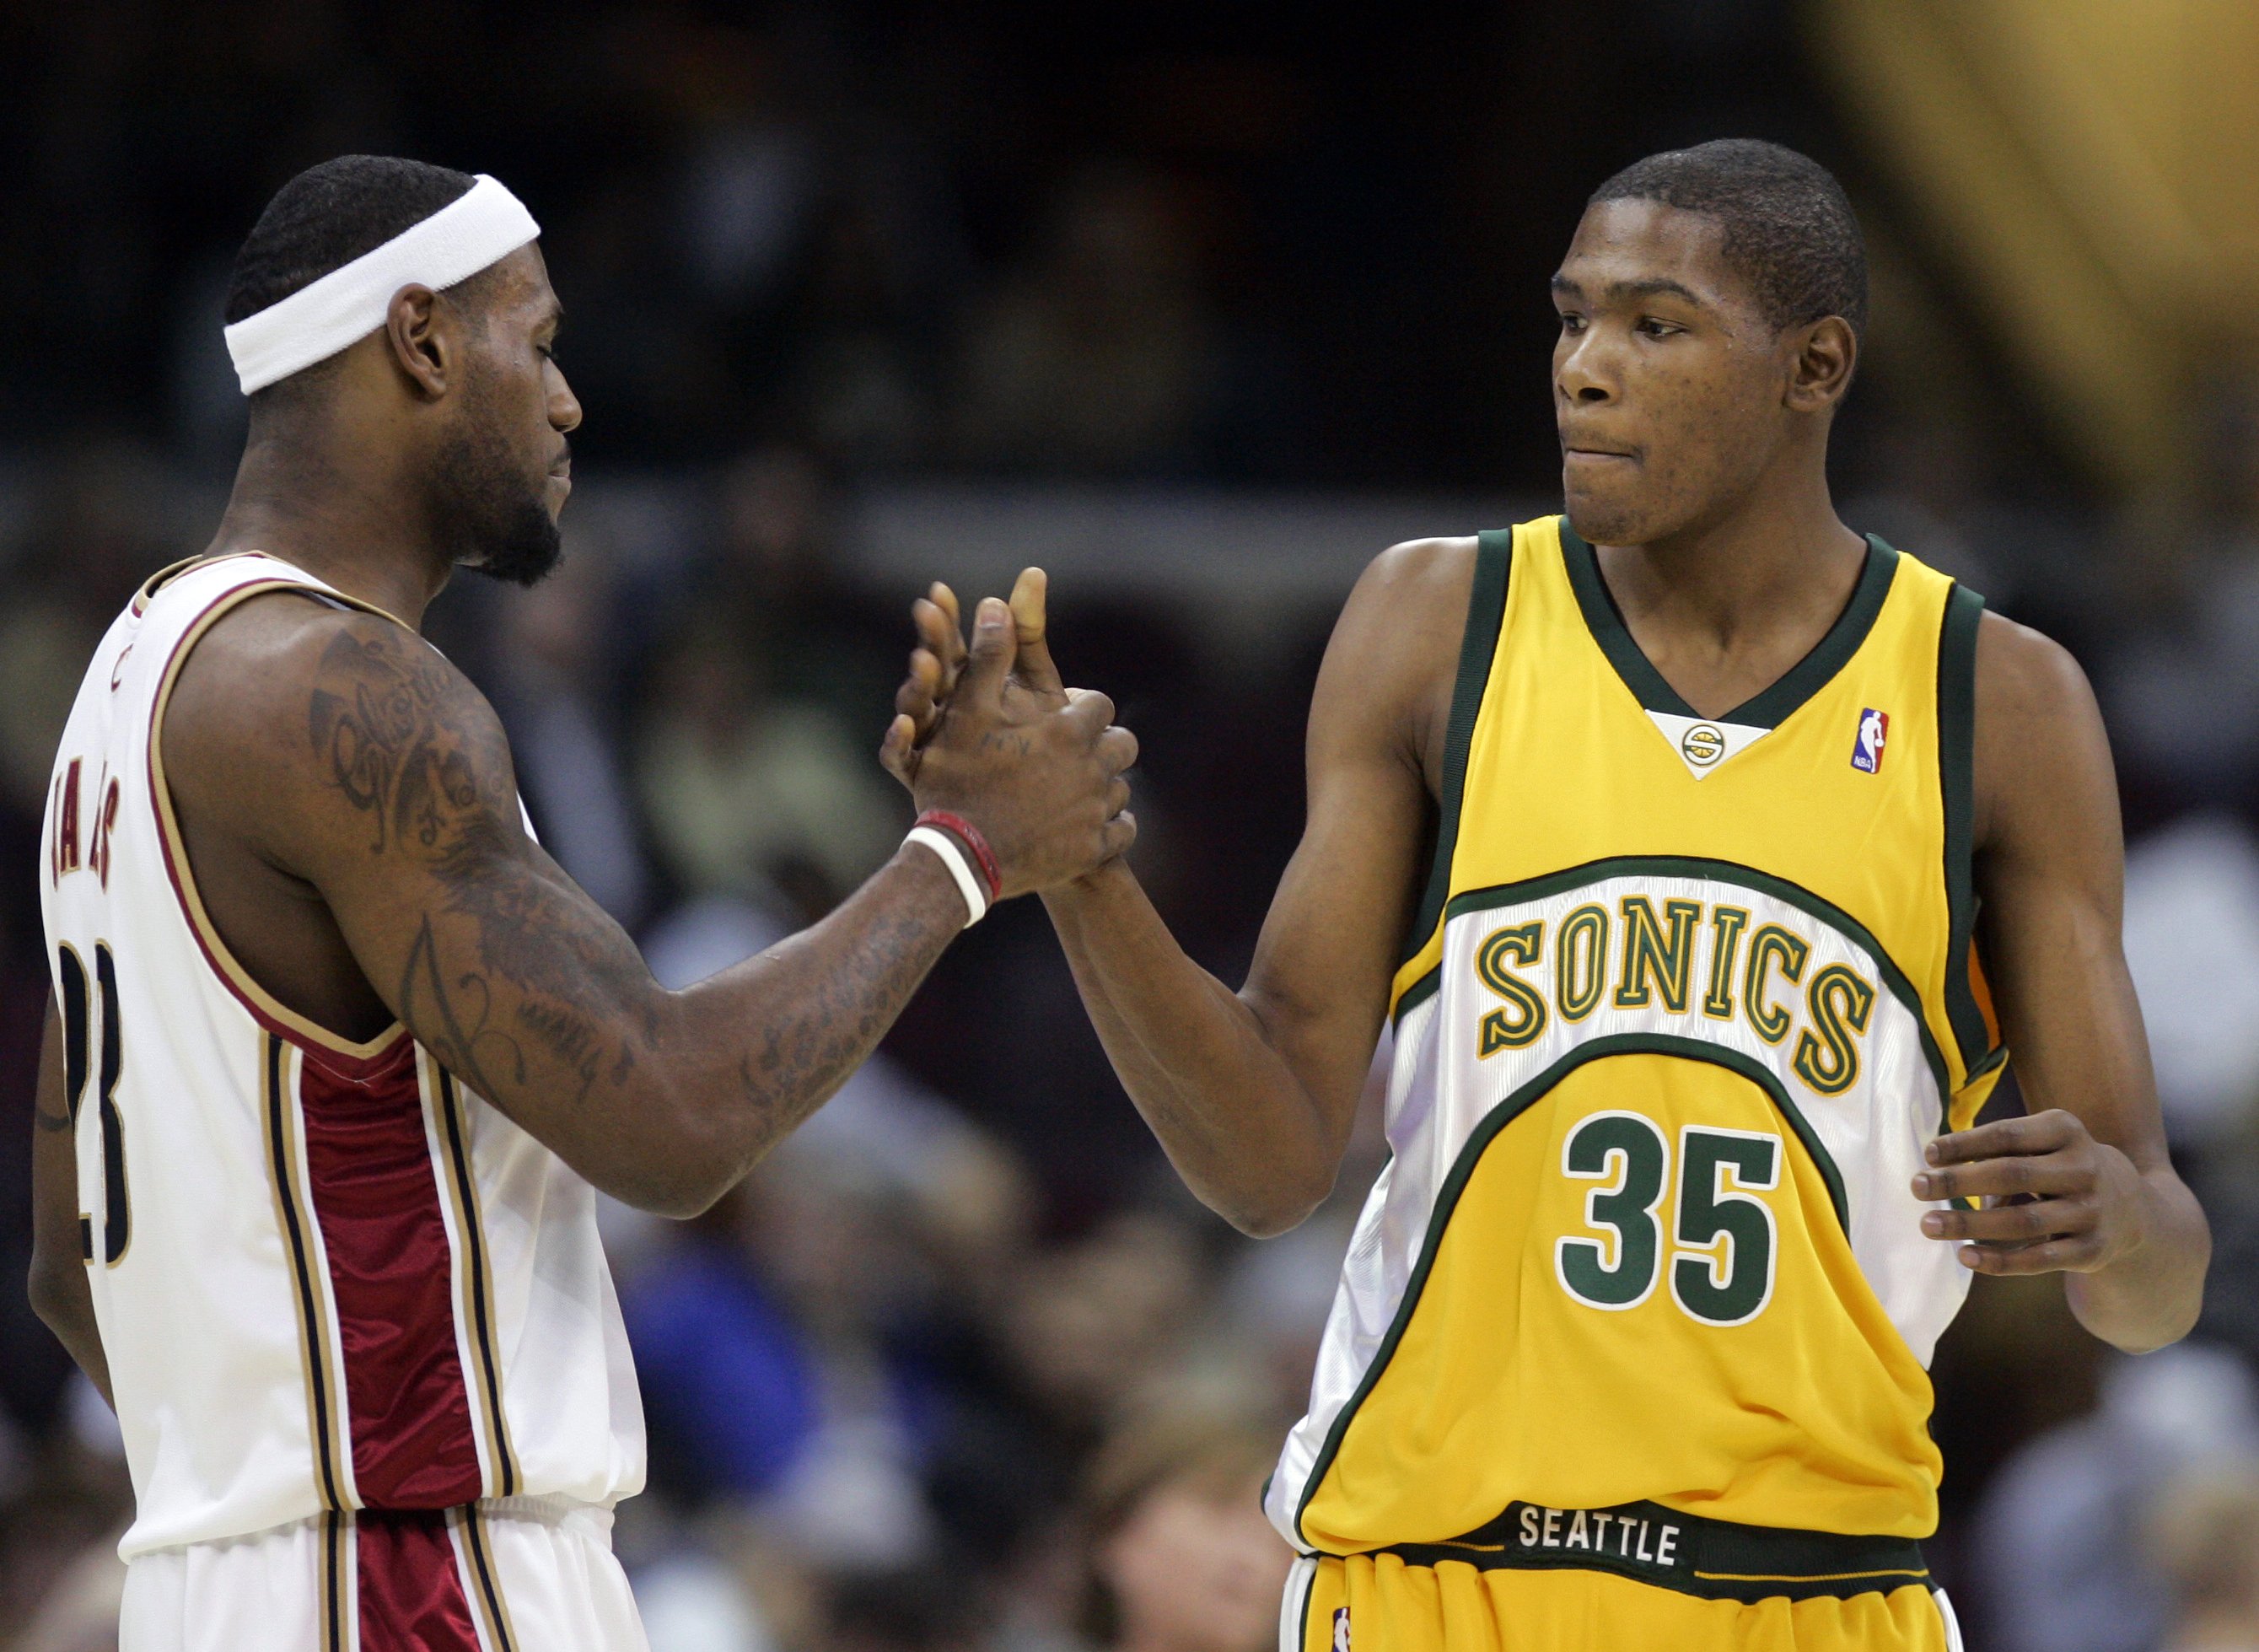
[564, 406]
[1582, 374]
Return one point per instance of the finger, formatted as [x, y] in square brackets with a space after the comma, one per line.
[938, 636]
[2053, 1256]
[920, 696]
[898, 752]
[1117, 798]
[1028, 619]
[2013, 1224]
[1117, 749]
[1092, 711]
[915, 701]
[2040, 1133]
[993, 650]
[945, 600]
[1118, 833]
[2066, 1173]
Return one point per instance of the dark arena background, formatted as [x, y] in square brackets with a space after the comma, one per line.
[1198, 306]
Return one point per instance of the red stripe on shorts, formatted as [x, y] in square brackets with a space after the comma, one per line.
[411, 1595]
[376, 1196]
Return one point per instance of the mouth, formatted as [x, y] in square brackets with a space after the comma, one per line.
[1582, 453]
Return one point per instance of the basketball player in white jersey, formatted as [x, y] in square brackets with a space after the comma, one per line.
[339, 1055]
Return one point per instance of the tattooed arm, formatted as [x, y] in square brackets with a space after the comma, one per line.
[387, 789]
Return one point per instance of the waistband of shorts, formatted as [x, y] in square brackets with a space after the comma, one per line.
[1717, 1560]
[551, 1509]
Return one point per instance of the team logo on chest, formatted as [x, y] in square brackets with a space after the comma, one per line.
[1704, 743]
[1867, 744]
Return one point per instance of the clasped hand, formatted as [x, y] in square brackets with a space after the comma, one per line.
[990, 733]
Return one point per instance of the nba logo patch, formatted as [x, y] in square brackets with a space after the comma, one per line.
[1341, 1630]
[1867, 748]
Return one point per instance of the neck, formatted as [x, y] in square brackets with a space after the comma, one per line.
[1776, 552]
[344, 512]
[1724, 607]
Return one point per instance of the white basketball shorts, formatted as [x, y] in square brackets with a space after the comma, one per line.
[520, 1574]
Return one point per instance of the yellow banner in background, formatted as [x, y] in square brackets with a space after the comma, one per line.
[2092, 169]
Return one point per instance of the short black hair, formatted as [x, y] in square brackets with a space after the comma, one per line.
[1789, 231]
[329, 215]
[321, 220]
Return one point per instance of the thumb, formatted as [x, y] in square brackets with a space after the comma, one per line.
[1028, 622]
[995, 647]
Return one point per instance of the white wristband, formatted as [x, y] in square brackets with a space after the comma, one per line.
[952, 857]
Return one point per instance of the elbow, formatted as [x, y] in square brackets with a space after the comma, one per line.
[680, 1166]
[1276, 1207]
[678, 1189]
[59, 1306]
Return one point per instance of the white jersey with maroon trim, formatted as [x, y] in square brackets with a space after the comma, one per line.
[328, 1277]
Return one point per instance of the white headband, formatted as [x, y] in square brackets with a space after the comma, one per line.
[480, 227]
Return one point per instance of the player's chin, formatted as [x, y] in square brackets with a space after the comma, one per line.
[1602, 514]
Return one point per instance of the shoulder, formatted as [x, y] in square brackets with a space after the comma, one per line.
[1387, 682]
[1412, 592]
[2025, 677]
[288, 697]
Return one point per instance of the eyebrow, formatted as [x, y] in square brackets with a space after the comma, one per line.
[1620, 292]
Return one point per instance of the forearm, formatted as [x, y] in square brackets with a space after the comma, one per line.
[1237, 1122]
[2150, 1296]
[746, 1055]
[59, 1297]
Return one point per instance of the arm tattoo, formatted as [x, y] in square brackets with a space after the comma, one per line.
[411, 745]
[808, 1051]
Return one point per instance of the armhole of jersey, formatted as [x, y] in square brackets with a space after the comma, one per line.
[1478, 649]
[1967, 1000]
[269, 1011]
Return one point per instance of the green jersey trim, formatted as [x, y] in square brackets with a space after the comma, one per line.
[1957, 760]
[1477, 646]
[1712, 1559]
[1478, 1140]
[1771, 707]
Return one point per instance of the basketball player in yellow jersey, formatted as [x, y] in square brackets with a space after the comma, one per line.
[1756, 845]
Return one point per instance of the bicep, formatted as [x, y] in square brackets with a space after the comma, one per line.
[395, 798]
[2051, 871]
[1337, 927]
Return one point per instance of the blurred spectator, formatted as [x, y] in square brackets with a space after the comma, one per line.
[549, 671]
[1099, 356]
[1182, 1557]
[2203, 1537]
[2193, 945]
[2060, 1531]
[749, 790]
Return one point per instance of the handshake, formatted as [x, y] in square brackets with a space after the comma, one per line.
[988, 733]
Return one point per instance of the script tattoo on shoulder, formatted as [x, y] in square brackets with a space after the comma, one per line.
[414, 749]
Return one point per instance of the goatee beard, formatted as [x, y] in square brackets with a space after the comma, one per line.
[525, 551]
[491, 520]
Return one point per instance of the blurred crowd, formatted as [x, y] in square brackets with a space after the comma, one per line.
[961, 1367]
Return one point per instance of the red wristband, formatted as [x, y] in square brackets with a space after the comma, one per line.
[991, 873]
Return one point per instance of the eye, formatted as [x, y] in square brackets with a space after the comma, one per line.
[1656, 327]
[1571, 322]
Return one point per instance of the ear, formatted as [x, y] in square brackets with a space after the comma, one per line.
[1826, 355]
[420, 334]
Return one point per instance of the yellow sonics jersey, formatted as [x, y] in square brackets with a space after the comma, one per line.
[1690, 995]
